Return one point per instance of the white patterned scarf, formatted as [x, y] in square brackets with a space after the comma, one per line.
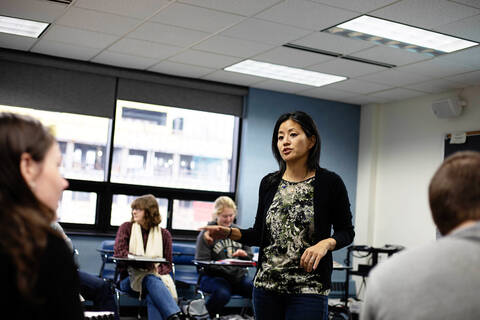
[154, 250]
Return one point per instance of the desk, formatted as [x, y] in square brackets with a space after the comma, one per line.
[140, 259]
[99, 315]
[228, 263]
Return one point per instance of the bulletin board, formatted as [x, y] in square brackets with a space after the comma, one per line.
[472, 143]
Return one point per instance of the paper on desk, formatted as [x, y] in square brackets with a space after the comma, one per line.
[144, 258]
[237, 262]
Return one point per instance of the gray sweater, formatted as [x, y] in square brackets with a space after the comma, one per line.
[221, 249]
[437, 281]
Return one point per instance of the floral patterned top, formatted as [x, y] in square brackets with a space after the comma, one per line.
[290, 222]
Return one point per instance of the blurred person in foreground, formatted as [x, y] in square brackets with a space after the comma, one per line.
[439, 280]
[40, 277]
[143, 236]
[92, 287]
[223, 281]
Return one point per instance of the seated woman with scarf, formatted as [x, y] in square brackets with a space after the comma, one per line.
[142, 236]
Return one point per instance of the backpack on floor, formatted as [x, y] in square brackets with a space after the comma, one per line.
[194, 309]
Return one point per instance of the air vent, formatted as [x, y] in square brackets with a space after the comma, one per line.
[61, 1]
[339, 55]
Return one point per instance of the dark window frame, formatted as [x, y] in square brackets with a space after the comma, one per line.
[106, 189]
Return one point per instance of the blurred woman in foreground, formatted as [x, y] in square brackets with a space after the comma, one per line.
[37, 267]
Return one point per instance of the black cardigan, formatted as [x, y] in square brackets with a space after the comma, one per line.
[331, 208]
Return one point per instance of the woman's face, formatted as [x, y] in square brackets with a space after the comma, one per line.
[225, 218]
[292, 142]
[49, 184]
[138, 215]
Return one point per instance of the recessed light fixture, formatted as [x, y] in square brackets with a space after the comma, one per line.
[399, 35]
[284, 73]
[22, 27]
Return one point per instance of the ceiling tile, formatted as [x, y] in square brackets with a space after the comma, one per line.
[281, 86]
[204, 59]
[326, 93]
[143, 48]
[337, 44]
[357, 5]
[264, 31]
[470, 78]
[470, 57]
[425, 13]
[123, 60]
[16, 42]
[471, 3]
[398, 94]
[232, 47]
[391, 55]
[65, 50]
[180, 69]
[243, 7]
[183, 15]
[358, 86]
[139, 9]
[97, 21]
[162, 33]
[436, 68]
[43, 11]
[468, 28]
[78, 37]
[434, 86]
[233, 78]
[305, 14]
[394, 78]
[364, 99]
[347, 68]
[292, 57]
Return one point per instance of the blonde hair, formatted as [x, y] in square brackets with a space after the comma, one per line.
[221, 203]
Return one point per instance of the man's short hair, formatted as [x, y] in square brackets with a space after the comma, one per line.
[454, 191]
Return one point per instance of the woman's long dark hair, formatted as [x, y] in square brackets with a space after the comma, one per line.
[310, 129]
[24, 220]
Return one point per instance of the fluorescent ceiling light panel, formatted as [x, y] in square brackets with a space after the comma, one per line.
[284, 73]
[400, 36]
[22, 27]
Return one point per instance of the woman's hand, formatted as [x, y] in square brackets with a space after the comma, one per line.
[240, 253]
[214, 232]
[311, 256]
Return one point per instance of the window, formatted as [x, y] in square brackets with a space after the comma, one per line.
[185, 158]
[173, 147]
[191, 215]
[77, 207]
[83, 151]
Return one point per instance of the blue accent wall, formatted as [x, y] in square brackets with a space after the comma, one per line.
[338, 124]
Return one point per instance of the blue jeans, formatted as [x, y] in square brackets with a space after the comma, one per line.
[268, 305]
[160, 303]
[221, 291]
[99, 291]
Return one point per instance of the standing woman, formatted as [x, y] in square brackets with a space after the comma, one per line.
[142, 236]
[40, 280]
[223, 281]
[297, 207]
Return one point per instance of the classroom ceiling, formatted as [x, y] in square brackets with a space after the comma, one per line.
[198, 38]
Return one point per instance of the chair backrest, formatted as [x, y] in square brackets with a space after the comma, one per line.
[107, 269]
[185, 269]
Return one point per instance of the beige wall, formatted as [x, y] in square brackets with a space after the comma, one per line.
[401, 146]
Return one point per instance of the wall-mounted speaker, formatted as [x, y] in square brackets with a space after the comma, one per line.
[447, 108]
